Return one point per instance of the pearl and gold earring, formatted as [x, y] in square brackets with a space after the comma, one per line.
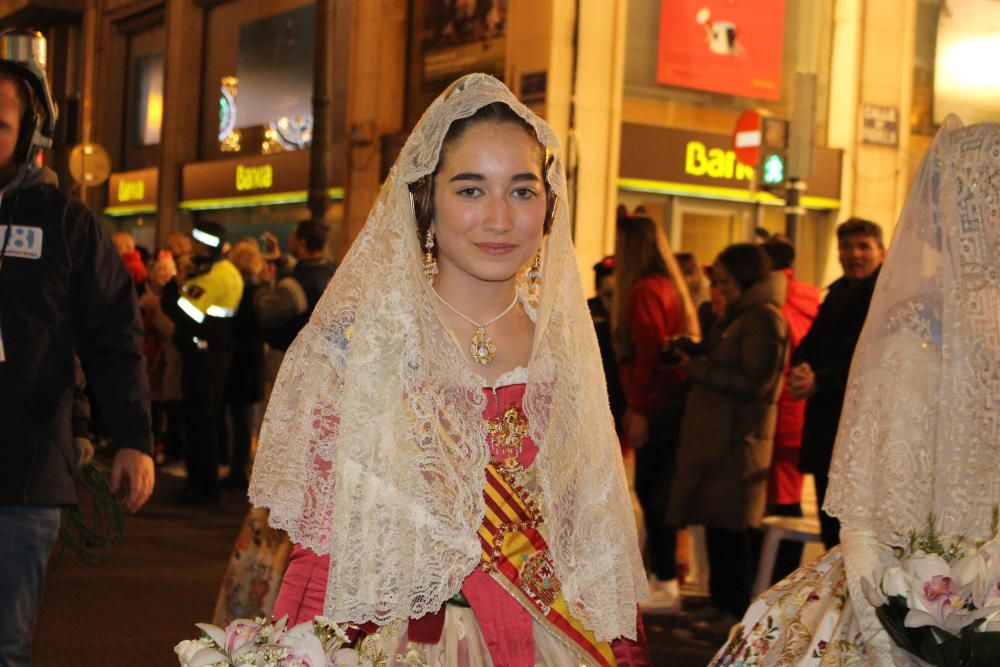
[430, 261]
[535, 272]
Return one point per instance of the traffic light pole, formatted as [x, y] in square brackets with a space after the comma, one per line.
[793, 208]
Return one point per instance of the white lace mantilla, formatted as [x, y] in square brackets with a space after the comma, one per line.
[920, 431]
[373, 449]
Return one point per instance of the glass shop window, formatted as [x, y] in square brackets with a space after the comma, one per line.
[146, 103]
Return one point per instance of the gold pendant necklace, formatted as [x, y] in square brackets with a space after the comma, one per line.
[483, 349]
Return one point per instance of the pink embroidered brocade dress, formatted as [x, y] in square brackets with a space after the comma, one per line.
[513, 613]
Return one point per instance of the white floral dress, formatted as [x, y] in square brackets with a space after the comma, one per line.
[806, 619]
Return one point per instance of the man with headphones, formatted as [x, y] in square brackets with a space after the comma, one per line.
[63, 291]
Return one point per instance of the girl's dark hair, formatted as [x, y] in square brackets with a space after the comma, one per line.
[496, 112]
[745, 262]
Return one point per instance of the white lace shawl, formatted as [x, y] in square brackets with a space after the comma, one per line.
[920, 431]
[373, 448]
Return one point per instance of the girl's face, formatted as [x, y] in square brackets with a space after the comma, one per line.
[728, 288]
[489, 204]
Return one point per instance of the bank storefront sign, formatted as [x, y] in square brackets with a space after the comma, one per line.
[663, 160]
[132, 192]
[252, 180]
[715, 163]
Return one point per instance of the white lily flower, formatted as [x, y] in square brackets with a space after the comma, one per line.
[967, 570]
[209, 657]
[303, 642]
[873, 593]
[187, 649]
[895, 582]
[214, 632]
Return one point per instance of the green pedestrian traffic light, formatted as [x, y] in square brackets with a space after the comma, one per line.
[774, 170]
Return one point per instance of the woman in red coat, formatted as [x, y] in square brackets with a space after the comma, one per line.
[652, 305]
[784, 486]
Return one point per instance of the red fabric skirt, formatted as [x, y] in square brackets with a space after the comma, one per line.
[303, 590]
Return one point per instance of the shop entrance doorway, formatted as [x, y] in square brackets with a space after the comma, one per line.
[705, 228]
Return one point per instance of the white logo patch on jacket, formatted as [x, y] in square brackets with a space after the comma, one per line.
[24, 242]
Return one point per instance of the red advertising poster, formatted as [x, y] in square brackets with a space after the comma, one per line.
[725, 46]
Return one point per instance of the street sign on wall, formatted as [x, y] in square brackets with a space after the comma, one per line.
[747, 138]
[879, 125]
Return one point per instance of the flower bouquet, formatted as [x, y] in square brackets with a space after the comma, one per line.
[263, 643]
[941, 601]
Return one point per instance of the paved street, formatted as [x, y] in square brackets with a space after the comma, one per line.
[162, 578]
[132, 608]
[671, 644]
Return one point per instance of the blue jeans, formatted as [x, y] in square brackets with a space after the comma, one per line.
[27, 535]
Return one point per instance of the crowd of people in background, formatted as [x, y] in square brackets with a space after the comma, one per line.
[213, 312]
[726, 382]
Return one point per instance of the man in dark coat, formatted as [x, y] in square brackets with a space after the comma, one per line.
[63, 291]
[600, 311]
[823, 359]
[282, 309]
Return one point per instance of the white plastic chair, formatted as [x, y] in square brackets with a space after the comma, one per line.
[779, 528]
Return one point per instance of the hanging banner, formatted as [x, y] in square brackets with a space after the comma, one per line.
[724, 46]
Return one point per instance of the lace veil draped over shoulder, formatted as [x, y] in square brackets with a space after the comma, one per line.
[920, 431]
[373, 448]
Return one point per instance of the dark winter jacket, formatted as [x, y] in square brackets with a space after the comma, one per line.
[828, 349]
[726, 435]
[602, 327]
[63, 288]
[284, 309]
[245, 384]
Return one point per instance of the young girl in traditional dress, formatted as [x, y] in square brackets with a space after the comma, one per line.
[439, 443]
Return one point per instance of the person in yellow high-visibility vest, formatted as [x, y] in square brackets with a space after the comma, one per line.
[202, 302]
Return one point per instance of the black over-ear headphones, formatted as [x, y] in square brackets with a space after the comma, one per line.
[25, 150]
[20, 51]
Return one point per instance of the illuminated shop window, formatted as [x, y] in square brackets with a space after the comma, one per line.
[273, 87]
[966, 78]
[147, 100]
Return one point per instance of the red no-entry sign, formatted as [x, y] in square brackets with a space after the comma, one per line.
[747, 138]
